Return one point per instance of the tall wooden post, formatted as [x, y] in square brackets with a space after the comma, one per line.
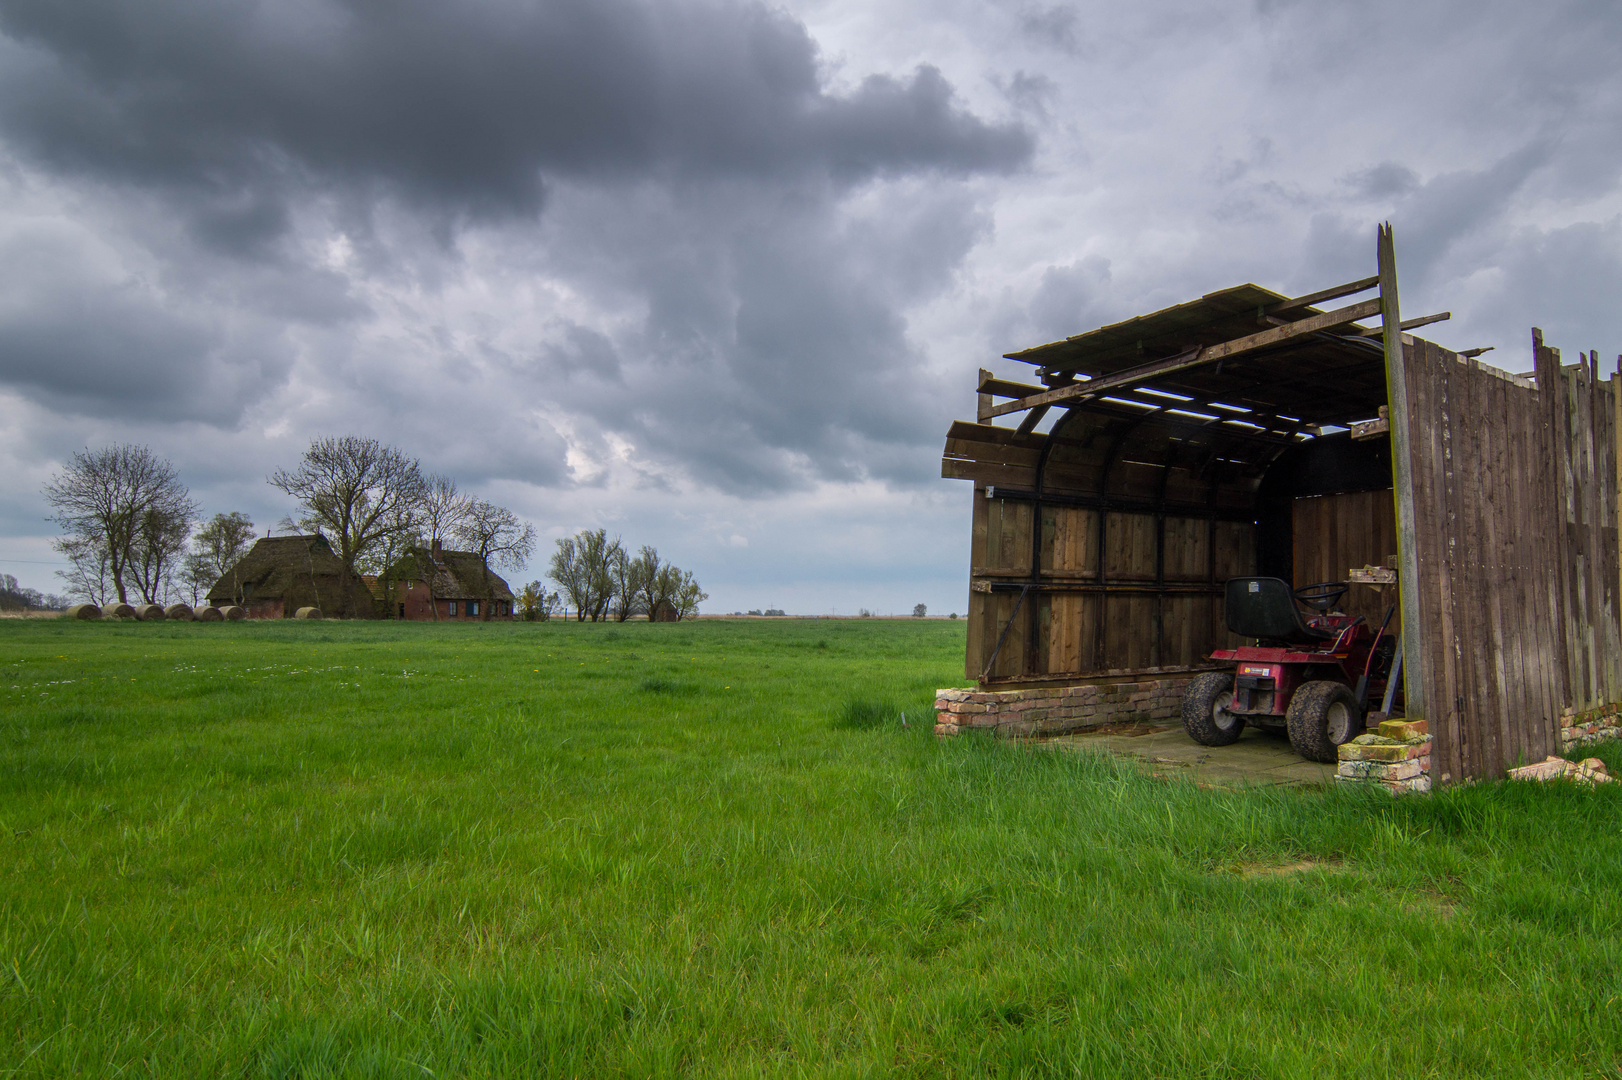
[1396, 383]
[1616, 467]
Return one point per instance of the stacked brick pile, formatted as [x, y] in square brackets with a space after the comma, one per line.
[1596, 725]
[1398, 758]
[1058, 709]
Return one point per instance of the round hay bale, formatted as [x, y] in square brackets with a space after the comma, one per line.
[183, 612]
[307, 613]
[118, 611]
[149, 613]
[208, 614]
[233, 613]
[83, 611]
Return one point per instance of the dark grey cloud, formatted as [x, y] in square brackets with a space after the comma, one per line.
[84, 338]
[352, 175]
[770, 351]
[468, 108]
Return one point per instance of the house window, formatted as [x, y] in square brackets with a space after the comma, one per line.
[453, 608]
[472, 607]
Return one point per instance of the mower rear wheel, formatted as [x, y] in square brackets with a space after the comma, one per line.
[1322, 715]
[1206, 715]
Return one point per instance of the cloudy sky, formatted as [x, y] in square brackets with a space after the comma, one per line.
[717, 275]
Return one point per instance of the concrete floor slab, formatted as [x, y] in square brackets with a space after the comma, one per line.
[1259, 757]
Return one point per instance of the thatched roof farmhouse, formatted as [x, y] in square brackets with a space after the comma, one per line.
[437, 584]
[281, 574]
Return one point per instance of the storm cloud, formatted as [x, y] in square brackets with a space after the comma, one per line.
[719, 274]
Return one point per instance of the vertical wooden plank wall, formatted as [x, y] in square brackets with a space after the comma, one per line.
[1593, 637]
[1514, 492]
[1335, 533]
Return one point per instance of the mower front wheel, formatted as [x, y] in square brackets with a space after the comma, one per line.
[1322, 715]
[1206, 710]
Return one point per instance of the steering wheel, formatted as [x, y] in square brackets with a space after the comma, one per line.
[1323, 596]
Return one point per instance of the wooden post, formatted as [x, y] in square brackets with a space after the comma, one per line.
[983, 412]
[1616, 466]
[1396, 382]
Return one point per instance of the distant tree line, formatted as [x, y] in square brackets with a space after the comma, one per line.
[128, 521]
[14, 597]
[130, 527]
[603, 580]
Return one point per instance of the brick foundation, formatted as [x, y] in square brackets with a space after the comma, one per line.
[1057, 710]
[1595, 725]
[1398, 758]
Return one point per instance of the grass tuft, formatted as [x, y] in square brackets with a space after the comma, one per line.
[862, 714]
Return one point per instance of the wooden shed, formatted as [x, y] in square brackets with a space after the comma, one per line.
[1247, 432]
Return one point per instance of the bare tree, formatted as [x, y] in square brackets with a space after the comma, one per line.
[155, 552]
[90, 568]
[358, 491]
[216, 550]
[495, 534]
[443, 507]
[108, 499]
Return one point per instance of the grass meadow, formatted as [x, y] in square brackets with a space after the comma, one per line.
[712, 849]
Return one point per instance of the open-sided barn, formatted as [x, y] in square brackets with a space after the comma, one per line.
[1250, 433]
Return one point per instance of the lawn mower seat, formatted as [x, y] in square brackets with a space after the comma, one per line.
[1265, 608]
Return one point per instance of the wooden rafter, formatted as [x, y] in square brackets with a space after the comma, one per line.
[1194, 357]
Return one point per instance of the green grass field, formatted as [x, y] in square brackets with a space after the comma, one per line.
[711, 849]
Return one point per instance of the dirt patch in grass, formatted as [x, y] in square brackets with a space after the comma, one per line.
[1299, 866]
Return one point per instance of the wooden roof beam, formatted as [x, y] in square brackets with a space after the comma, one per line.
[1195, 357]
[1351, 288]
[1408, 324]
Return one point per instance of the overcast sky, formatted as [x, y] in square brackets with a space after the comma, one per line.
[717, 276]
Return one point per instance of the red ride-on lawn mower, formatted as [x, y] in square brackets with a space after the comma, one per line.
[1312, 675]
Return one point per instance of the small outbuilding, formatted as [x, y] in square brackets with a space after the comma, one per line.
[281, 574]
[1251, 433]
[433, 583]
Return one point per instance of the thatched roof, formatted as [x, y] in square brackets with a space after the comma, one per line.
[454, 575]
[294, 568]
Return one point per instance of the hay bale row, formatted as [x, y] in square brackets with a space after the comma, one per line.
[180, 612]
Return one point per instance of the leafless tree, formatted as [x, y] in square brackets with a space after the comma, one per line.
[216, 549]
[106, 501]
[496, 535]
[356, 490]
[90, 571]
[155, 553]
[443, 507]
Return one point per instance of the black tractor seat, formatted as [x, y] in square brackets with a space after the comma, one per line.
[1265, 608]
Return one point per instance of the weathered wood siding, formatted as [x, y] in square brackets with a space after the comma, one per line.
[1156, 605]
[1333, 534]
[1515, 532]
